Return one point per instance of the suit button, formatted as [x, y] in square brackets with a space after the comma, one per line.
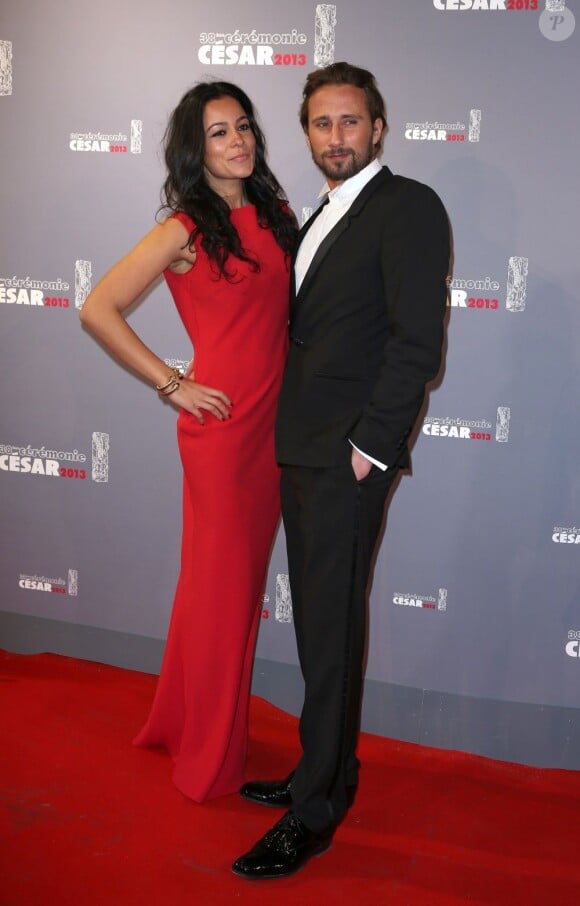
[298, 341]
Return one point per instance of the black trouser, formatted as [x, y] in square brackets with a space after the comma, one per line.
[332, 523]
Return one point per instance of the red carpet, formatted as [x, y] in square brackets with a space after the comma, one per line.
[87, 819]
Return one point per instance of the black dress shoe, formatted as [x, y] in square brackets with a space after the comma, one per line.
[275, 793]
[283, 851]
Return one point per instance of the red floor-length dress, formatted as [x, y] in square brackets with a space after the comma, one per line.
[230, 512]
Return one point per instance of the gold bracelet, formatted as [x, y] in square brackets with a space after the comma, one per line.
[172, 383]
[171, 389]
[175, 375]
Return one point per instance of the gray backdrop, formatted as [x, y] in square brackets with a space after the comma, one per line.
[475, 617]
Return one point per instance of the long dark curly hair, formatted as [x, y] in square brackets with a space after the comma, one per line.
[186, 188]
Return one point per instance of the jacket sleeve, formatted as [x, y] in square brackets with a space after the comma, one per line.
[415, 262]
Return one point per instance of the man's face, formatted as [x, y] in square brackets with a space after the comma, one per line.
[339, 133]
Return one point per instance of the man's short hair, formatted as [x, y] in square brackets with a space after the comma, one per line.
[345, 74]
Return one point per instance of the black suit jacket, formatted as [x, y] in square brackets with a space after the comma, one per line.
[366, 328]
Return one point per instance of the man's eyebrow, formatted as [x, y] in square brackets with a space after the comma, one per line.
[342, 116]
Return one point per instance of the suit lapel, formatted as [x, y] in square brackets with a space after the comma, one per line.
[302, 233]
[339, 228]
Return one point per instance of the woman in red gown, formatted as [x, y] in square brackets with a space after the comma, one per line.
[224, 251]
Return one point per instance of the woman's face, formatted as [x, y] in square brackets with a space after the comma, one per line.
[230, 145]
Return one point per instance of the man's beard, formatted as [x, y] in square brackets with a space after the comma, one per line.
[339, 170]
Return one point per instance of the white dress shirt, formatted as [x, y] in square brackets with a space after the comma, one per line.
[339, 201]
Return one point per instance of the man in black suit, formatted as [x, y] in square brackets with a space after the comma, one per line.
[366, 329]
